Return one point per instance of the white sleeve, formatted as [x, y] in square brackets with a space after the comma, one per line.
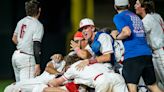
[69, 74]
[38, 33]
[106, 43]
[159, 19]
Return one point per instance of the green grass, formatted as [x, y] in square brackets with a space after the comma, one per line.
[4, 83]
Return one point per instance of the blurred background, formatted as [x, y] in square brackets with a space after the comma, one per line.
[60, 20]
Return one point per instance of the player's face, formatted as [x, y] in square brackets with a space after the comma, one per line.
[81, 41]
[83, 44]
[138, 7]
[87, 32]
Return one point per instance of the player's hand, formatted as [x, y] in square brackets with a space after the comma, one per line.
[37, 70]
[114, 33]
[82, 64]
[57, 57]
[74, 45]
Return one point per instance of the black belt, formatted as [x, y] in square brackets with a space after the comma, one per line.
[25, 53]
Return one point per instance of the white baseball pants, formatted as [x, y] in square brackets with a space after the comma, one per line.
[23, 66]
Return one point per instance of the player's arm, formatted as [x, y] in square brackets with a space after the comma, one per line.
[37, 52]
[14, 39]
[125, 33]
[50, 68]
[55, 89]
[99, 59]
[103, 58]
[82, 53]
[56, 82]
[114, 33]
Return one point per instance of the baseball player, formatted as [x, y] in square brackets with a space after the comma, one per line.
[154, 33]
[53, 68]
[93, 75]
[27, 36]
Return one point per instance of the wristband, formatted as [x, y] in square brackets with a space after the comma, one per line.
[92, 61]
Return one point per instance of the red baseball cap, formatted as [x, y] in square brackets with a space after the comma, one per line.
[78, 35]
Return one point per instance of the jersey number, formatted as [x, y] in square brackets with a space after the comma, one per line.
[23, 27]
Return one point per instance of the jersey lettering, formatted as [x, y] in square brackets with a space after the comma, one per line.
[23, 27]
[138, 28]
